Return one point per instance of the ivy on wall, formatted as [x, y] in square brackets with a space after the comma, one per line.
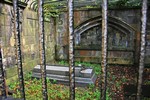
[52, 8]
[124, 3]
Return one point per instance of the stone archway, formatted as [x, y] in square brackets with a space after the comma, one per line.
[121, 38]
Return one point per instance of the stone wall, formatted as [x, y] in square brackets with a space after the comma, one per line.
[130, 17]
[29, 39]
[57, 36]
[147, 60]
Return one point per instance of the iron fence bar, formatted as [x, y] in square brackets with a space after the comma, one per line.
[15, 36]
[2, 77]
[19, 58]
[71, 51]
[142, 49]
[104, 49]
[42, 49]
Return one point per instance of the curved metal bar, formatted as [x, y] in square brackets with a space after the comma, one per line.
[2, 77]
[19, 58]
[104, 49]
[71, 51]
[42, 49]
[142, 50]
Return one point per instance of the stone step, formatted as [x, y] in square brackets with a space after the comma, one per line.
[58, 73]
[65, 78]
[9, 98]
[60, 70]
[79, 81]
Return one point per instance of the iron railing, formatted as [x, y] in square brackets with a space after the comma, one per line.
[71, 50]
[104, 50]
[142, 49]
[19, 57]
[42, 49]
[2, 77]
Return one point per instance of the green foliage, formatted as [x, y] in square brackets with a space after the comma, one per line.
[54, 8]
[107, 96]
[147, 82]
[63, 63]
[33, 89]
[85, 94]
[28, 76]
[50, 9]
[54, 81]
[96, 67]
[124, 3]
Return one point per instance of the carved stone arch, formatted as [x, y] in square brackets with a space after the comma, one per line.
[121, 38]
[113, 22]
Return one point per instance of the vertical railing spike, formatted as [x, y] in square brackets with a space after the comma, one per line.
[2, 77]
[19, 58]
[104, 50]
[142, 49]
[42, 49]
[71, 50]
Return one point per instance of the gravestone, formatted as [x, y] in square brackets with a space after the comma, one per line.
[60, 74]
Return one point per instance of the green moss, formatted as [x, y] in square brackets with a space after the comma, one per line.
[12, 74]
[55, 92]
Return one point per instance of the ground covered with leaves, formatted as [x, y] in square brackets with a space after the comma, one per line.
[33, 90]
[118, 76]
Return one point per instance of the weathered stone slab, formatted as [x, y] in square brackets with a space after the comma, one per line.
[9, 98]
[83, 77]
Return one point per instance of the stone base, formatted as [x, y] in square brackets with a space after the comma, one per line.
[9, 98]
[60, 74]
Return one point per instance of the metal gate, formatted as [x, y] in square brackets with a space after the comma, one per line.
[71, 50]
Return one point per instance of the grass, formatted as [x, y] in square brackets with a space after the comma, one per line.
[12, 74]
[33, 87]
[96, 67]
[33, 90]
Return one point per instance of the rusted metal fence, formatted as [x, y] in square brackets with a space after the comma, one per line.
[104, 50]
[2, 77]
[71, 51]
[142, 49]
[19, 54]
[42, 49]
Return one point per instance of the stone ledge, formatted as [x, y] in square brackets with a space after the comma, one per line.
[83, 77]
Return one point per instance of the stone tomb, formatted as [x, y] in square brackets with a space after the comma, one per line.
[60, 74]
